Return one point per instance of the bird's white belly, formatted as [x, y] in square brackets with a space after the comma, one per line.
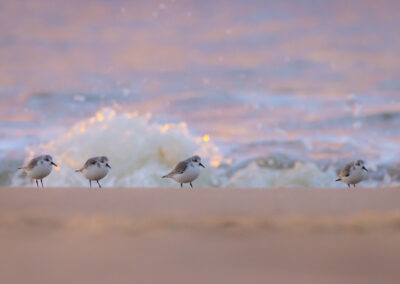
[95, 173]
[39, 172]
[189, 175]
[354, 178]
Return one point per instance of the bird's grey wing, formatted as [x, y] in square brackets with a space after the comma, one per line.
[345, 172]
[87, 164]
[179, 169]
[90, 162]
[32, 163]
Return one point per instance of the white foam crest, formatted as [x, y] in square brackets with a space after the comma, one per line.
[140, 151]
[301, 175]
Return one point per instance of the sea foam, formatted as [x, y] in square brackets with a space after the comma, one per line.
[140, 151]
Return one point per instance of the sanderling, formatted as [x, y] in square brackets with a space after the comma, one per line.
[353, 173]
[186, 171]
[95, 169]
[39, 168]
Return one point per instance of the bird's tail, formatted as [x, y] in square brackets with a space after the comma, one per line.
[166, 176]
[78, 171]
[339, 179]
[20, 168]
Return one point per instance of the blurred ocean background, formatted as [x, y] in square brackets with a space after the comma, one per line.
[269, 93]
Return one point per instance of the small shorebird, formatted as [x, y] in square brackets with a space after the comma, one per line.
[186, 171]
[38, 168]
[353, 173]
[95, 169]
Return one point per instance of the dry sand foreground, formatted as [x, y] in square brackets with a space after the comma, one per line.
[83, 235]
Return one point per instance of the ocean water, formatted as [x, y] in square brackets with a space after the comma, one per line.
[269, 94]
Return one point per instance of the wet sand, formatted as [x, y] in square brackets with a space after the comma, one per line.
[81, 235]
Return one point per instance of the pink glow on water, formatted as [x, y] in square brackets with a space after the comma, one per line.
[319, 77]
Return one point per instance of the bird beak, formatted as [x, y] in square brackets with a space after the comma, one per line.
[365, 169]
[54, 164]
[200, 164]
[108, 166]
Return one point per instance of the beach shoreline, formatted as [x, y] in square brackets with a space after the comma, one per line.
[64, 235]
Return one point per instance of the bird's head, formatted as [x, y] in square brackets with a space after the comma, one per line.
[359, 164]
[196, 160]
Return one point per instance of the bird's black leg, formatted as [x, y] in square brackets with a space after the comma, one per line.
[354, 185]
[90, 183]
[181, 185]
[191, 185]
[37, 183]
[348, 185]
[98, 184]
[41, 180]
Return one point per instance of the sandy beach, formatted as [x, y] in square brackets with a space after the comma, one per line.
[81, 235]
[284, 103]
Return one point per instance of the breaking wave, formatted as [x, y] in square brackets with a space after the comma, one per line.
[141, 151]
